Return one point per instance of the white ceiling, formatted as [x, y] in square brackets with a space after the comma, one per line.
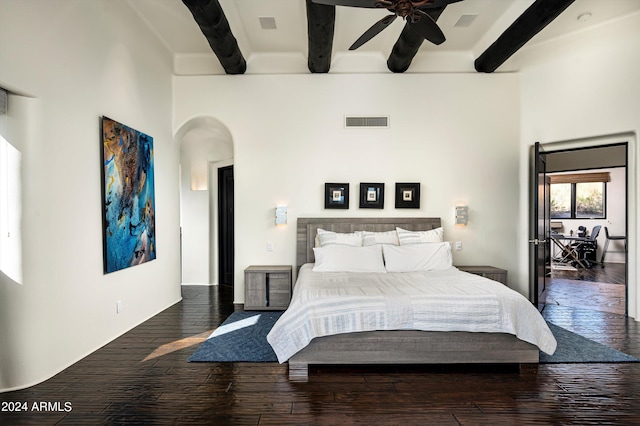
[173, 23]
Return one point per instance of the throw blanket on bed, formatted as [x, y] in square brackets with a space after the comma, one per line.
[326, 303]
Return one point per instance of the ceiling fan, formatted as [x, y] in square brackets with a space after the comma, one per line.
[414, 12]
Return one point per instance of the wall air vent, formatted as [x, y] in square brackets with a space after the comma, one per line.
[360, 121]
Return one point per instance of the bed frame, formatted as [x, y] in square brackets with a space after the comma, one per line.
[402, 346]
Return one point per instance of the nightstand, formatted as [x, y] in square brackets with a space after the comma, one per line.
[267, 288]
[490, 272]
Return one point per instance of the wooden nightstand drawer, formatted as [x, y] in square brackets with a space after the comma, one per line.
[280, 281]
[267, 287]
[490, 272]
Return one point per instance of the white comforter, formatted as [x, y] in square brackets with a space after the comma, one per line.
[326, 303]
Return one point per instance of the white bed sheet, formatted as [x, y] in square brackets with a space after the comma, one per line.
[326, 303]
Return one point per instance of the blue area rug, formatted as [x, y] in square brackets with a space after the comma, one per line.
[240, 338]
[243, 338]
[573, 348]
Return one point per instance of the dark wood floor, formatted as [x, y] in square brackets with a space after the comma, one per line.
[143, 377]
[596, 288]
[613, 273]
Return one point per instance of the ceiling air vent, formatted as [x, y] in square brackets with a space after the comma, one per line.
[268, 23]
[466, 20]
[353, 121]
[3, 101]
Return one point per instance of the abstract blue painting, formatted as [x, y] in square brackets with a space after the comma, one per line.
[129, 200]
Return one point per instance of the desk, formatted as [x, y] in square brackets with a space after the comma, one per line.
[570, 238]
[567, 251]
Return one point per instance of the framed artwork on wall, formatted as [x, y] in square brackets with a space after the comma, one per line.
[371, 195]
[336, 195]
[407, 195]
[128, 201]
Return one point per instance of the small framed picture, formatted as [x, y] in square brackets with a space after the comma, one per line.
[336, 195]
[371, 195]
[407, 195]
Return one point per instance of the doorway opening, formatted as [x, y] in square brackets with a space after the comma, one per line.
[588, 214]
[205, 146]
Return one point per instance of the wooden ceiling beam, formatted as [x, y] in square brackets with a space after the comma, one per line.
[214, 25]
[408, 45]
[530, 23]
[321, 20]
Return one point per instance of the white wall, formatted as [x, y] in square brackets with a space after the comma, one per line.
[455, 134]
[583, 90]
[195, 225]
[74, 70]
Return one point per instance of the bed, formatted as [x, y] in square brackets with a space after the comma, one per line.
[301, 339]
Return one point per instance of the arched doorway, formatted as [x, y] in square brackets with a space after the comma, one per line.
[205, 145]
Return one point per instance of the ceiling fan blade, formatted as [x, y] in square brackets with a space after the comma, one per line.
[428, 29]
[373, 31]
[352, 3]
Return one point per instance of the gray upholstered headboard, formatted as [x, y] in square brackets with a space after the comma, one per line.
[308, 227]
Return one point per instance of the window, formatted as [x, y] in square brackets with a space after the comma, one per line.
[580, 196]
[561, 201]
[10, 203]
[10, 236]
[590, 200]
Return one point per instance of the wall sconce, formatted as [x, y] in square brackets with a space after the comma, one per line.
[199, 175]
[462, 215]
[199, 182]
[281, 215]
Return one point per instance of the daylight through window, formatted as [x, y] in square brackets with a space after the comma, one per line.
[10, 206]
[583, 200]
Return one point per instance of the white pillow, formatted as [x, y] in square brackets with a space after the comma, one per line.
[419, 237]
[348, 259]
[418, 257]
[388, 237]
[330, 238]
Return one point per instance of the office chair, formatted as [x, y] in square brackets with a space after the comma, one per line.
[606, 243]
[585, 250]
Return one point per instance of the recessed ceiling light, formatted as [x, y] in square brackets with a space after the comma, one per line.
[584, 17]
[268, 22]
